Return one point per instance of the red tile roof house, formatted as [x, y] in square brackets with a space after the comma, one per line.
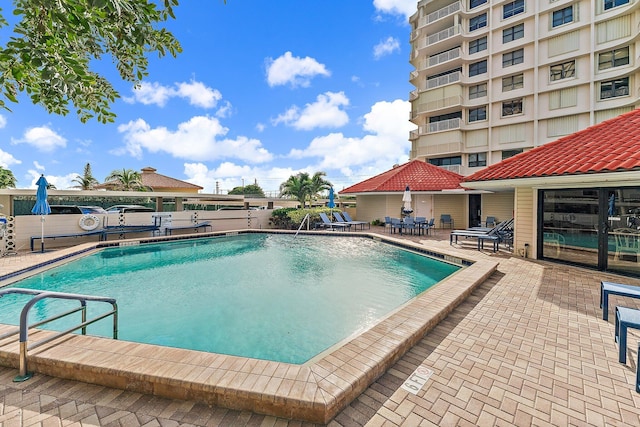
[434, 191]
[576, 196]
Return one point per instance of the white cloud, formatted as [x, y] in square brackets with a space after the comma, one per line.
[397, 7]
[386, 47]
[326, 112]
[197, 93]
[62, 182]
[386, 144]
[294, 71]
[229, 175]
[7, 159]
[199, 139]
[42, 138]
[3, 121]
[38, 166]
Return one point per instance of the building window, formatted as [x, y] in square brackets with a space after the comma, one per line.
[512, 82]
[562, 16]
[512, 9]
[510, 153]
[562, 71]
[610, 4]
[613, 58]
[477, 45]
[478, 22]
[513, 58]
[614, 88]
[477, 114]
[510, 108]
[477, 159]
[477, 68]
[514, 33]
[476, 3]
[477, 91]
[446, 161]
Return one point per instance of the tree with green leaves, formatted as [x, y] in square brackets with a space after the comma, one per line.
[7, 180]
[298, 186]
[319, 184]
[50, 49]
[86, 181]
[126, 180]
[253, 190]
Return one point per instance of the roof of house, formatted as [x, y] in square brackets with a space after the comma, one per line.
[417, 174]
[157, 182]
[610, 146]
[153, 179]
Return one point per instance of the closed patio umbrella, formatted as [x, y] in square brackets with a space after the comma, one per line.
[42, 206]
[332, 203]
[406, 198]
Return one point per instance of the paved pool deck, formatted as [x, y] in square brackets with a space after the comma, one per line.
[527, 347]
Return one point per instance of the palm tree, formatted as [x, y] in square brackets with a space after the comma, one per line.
[298, 186]
[126, 180]
[86, 181]
[7, 180]
[319, 184]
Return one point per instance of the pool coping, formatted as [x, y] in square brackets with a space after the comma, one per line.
[314, 392]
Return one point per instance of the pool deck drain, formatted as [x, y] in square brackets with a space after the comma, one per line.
[313, 392]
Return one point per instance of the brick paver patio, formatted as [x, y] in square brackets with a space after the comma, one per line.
[529, 347]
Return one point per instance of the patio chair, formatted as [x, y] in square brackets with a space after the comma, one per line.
[396, 225]
[410, 225]
[387, 223]
[431, 226]
[491, 221]
[356, 223]
[627, 243]
[446, 219]
[326, 222]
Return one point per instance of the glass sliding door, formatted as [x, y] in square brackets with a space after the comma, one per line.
[623, 230]
[570, 226]
[598, 227]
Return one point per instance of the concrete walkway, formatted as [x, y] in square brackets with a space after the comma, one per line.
[529, 347]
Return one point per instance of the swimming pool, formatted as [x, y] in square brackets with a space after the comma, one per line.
[264, 296]
[314, 391]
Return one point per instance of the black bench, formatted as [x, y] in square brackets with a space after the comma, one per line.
[195, 227]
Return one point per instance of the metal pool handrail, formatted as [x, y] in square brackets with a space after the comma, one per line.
[40, 295]
[306, 218]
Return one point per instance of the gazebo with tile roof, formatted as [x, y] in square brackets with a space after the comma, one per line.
[434, 191]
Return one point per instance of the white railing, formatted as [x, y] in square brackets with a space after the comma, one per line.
[444, 125]
[443, 80]
[439, 14]
[444, 57]
[443, 35]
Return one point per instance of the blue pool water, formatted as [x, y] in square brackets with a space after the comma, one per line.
[266, 296]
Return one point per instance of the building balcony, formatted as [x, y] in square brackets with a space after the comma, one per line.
[443, 80]
[439, 14]
[445, 125]
[452, 102]
[430, 147]
[443, 57]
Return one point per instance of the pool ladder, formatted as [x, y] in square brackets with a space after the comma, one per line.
[306, 218]
[40, 295]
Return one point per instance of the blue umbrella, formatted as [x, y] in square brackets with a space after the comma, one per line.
[42, 205]
[332, 203]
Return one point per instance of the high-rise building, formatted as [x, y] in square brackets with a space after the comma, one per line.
[495, 78]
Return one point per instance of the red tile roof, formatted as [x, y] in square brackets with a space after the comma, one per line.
[610, 146]
[417, 174]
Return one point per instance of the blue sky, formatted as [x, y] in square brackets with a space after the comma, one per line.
[262, 90]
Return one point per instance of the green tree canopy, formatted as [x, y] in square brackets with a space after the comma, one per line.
[249, 190]
[50, 49]
[126, 180]
[86, 181]
[303, 187]
[7, 180]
